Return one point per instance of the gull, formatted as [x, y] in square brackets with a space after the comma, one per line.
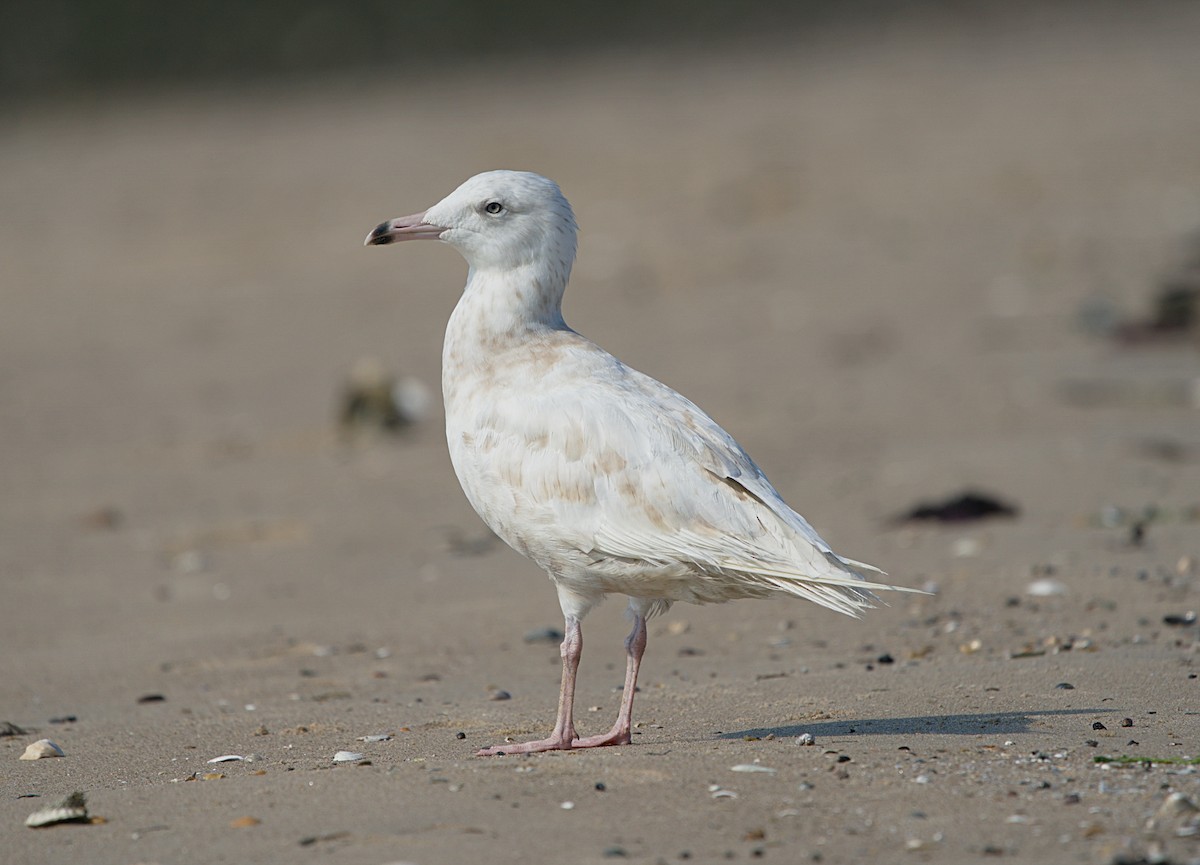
[607, 479]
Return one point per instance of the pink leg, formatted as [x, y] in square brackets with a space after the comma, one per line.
[563, 737]
[622, 731]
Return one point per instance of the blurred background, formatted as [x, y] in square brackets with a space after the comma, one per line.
[98, 45]
[897, 249]
[904, 252]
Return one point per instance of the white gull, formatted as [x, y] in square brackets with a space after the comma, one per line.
[606, 478]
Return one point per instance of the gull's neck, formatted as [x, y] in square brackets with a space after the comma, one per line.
[500, 309]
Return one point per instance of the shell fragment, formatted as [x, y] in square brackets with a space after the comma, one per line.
[42, 748]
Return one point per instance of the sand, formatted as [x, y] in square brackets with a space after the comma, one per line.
[866, 256]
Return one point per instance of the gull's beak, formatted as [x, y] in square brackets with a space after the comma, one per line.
[404, 228]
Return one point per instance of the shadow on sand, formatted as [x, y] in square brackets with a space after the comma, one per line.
[955, 725]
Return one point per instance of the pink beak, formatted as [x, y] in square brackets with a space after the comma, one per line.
[403, 228]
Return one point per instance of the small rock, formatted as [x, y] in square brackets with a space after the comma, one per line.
[1064, 686]
[499, 695]
[885, 658]
[460, 735]
[1180, 620]
[752, 767]
[806, 739]
[1096, 725]
[1175, 805]
[244, 822]
[151, 698]
[567, 806]
[614, 853]
[41, 748]
[544, 635]
[8, 728]
[1127, 722]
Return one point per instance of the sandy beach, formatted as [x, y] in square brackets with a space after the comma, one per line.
[893, 265]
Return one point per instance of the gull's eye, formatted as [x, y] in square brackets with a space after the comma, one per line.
[495, 208]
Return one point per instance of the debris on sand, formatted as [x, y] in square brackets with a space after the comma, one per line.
[73, 809]
[374, 399]
[965, 507]
[41, 748]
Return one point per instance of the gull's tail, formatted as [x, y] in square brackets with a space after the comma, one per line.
[839, 586]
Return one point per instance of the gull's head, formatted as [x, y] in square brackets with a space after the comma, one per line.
[497, 220]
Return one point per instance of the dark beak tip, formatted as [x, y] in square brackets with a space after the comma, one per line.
[380, 235]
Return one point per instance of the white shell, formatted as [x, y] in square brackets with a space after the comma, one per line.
[42, 748]
[376, 737]
[752, 767]
[805, 739]
[227, 758]
[1046, 588]
[347, 757]
[73, 809]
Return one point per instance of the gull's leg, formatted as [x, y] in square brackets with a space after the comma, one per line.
[563, 736]
[635, 647]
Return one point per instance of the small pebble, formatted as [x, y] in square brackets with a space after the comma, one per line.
[500, 695]
[244, 822]
[151, 698]
[460, 735]
[885, 659]
[754, 767]
[600, 786]
[806, 739]
[544, 635]
[1096, 725]
[614, 853]
[1127, 722]
[1064, 686]
[567, 806]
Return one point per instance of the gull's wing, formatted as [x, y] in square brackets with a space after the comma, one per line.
[631, 478]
